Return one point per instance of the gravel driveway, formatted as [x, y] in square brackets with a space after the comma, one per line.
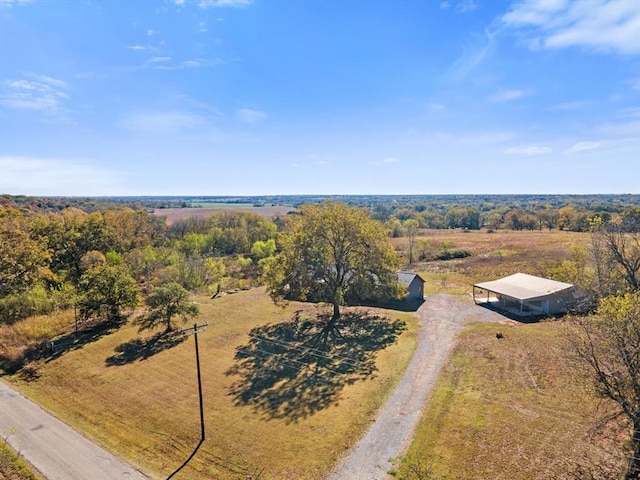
[441, 318]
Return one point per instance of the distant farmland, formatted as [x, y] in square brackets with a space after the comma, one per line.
[174, 214]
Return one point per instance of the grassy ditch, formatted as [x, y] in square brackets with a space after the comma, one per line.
[12, 466]
[136, 394]
[514, 408]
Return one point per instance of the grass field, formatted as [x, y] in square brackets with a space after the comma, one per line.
[173, 215]
[510, 409]
[493, 255]
[12, 466]
[139, 399]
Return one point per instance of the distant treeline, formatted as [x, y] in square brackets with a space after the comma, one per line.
[516, 212]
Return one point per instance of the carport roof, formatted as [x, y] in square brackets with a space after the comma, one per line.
[524, 287]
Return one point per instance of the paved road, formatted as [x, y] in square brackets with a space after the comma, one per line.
[441, 317]
[54, 448]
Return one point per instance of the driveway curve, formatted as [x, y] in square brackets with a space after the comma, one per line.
[56, 450]
[441, 318]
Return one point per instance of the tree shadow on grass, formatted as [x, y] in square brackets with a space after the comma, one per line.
[143, 348]
[294, 369]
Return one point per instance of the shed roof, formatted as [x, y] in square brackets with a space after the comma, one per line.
[405, 278]
[524, 287]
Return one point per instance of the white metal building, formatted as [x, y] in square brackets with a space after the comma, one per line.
[524, 294]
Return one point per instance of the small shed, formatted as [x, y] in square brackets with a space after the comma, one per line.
[414, 284]
[523, 295]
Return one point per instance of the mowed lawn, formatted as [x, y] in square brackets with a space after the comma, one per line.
[512, 409]
[146, 409]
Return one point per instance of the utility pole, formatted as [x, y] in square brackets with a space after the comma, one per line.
[195, 330]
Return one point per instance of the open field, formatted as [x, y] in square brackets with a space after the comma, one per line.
[139, 398]
[510, 409]
[493, 255]
[174, 214]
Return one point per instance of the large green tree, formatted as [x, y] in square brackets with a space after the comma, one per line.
[107, 290]
[335, 254]
[166, 303]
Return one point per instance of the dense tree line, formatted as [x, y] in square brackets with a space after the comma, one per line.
[105, 261]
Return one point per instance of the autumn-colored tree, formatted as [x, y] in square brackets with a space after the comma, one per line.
[609, 343]
[107, 290]
[335, 254]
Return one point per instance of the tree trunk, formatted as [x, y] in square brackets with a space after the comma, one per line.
[633, 470]
[336, 312]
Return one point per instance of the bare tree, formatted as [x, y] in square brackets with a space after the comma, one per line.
[616, 245]
[609, 343]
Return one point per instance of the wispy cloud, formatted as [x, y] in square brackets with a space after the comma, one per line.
[609, 26]
[444, 5]
[528, 150]
[569, 106]
[139, 48]
[159, 59]
[166, 123]
[582, 147]
[385, 161]
[248, 115]
[508, 95]
[472, 56]
[224, 3]
[466, 6]
[54, 176]
[36, 92]
[11, 3]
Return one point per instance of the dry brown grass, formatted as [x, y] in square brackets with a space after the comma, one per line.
[146, 409]
[25, 334]
[494, 255]
[512, 409]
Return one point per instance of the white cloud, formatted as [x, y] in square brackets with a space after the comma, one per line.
[224, 3]
[444, 5]
[248, 115]
[582, 147]
[38, 93]
[610, 26]
[508, 95]
[159, 59]
[165, 123]
[54, 176]
[466, 6]
[472, 56]
[137, 48]
[151, 33]
[10, 3]
[569, 106]
[385, 161]
[528, 150]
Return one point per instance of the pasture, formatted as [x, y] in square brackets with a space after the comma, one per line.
[512, 409]
[137, 394]
[173, 215]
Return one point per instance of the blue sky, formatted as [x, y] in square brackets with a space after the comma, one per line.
[242, 97]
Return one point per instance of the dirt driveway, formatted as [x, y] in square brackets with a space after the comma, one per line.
[441, 318]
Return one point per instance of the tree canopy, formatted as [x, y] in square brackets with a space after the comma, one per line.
[167, 302]
[335, 254]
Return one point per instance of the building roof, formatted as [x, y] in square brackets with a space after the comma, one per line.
[405, 278]
[524, 287]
